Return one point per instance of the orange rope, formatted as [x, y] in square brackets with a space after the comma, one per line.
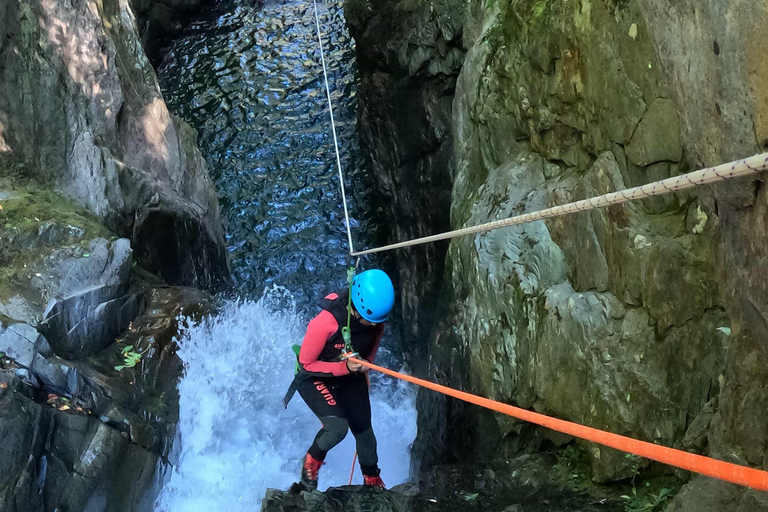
[721, 470]
[352, 472]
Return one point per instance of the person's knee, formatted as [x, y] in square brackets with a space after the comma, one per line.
[334, 431]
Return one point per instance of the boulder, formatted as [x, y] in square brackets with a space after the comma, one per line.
[105, 137]
[21, 342]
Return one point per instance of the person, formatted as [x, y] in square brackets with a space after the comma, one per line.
[335, 388]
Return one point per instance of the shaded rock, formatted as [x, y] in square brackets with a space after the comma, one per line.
[346, 498]
[657, 137]
[21, 342]
[105, 137]
[69, 459]
[23, 428]
[57, 375]
[409, 55]
[161, 21]
[696, 437]
[705, 494]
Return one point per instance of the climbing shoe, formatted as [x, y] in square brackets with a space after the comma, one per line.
[309, 470]
[374, 481]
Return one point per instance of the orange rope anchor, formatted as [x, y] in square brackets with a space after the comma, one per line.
[714, 468]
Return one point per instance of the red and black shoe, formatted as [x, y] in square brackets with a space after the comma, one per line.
[309, 470]
[374, 481]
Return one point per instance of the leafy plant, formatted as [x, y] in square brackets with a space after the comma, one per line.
[644, 501]
[573, 463]
[648, 502]
[130, 358]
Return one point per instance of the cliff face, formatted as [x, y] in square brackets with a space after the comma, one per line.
[81, 109]
[409, 58]
[97, 182]
[646, 319]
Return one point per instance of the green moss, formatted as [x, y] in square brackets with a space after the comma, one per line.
[538, 8]
[34, 221]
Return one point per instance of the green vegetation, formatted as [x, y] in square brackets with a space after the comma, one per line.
[574, 466]
[538, 8]
[646, 499]
[34, 221]
[130, 358]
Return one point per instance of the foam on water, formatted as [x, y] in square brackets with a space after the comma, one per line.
[235, 439]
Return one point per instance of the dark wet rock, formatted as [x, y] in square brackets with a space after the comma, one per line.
[350, 499]
[23, 429]
[161, 21]
[409, 55]
[56, 374]
[108, 438]
[21, 342]
[65, 460]
[527, 485]
[142, 401]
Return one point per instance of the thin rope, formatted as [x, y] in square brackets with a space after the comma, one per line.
[746, 167]
[352, 471]
[333, 127]
[715, 468]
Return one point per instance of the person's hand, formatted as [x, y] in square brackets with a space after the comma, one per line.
[354, 367]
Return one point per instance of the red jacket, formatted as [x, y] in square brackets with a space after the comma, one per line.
[323, 344]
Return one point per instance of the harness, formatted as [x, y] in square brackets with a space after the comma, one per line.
[346, 334]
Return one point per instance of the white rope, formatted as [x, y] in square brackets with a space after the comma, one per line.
[333, 127]
[749, 166]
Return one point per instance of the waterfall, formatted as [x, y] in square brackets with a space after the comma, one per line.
[235, 439]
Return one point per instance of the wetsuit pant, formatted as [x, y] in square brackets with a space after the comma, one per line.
[341, 404]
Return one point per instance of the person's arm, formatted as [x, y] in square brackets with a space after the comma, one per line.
[320, 329]
[375, 348]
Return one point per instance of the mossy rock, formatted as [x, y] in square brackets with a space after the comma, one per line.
[35, 221]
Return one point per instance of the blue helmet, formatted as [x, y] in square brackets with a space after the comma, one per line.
[373, 295]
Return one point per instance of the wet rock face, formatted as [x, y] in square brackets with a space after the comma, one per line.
[54, 460]
[409, 55]
[82, 109]
[87, 428]
[633, 318]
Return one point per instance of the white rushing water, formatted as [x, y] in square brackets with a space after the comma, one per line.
[235, 439]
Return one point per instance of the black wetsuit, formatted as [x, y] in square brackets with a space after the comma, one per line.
[337, 397]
